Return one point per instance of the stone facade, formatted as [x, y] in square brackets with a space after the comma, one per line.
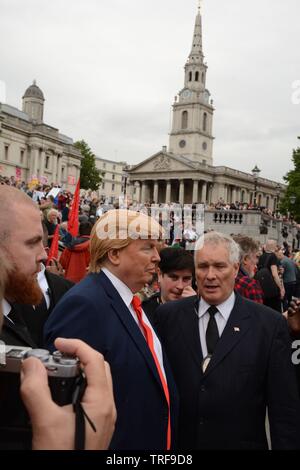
[31, 150]
[166, 178]
[114, 180]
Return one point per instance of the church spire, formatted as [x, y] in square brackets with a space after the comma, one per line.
[197, 51]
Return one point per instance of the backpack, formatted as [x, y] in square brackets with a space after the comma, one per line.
[265, 278]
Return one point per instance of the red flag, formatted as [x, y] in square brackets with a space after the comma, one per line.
[73, 222]
[53, 252]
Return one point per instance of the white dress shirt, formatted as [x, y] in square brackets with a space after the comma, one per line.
[127, 296]
[224, 311]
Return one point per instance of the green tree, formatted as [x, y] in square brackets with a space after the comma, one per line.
[291, 201]
[90, 176]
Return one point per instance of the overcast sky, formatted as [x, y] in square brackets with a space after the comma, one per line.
[110, 69]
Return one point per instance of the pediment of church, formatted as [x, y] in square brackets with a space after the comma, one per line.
[162, 162]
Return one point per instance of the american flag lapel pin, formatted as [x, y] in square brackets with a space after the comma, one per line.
[236, 329]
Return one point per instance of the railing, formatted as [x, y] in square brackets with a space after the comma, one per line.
[228, 217]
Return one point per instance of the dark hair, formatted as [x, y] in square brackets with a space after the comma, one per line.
[85, 228]
[175, 259]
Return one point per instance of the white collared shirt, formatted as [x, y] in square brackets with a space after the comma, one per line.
[127, 296]
[43, 283]
[224, 311]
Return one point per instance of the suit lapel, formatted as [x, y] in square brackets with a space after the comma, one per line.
[237, 326]
[129, 323]
[19, 331]
[189, 323]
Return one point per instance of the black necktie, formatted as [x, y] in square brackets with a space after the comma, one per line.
[212, 332]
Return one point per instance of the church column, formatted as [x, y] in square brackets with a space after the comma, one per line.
[42, 163]
[168, 192]
[59, 165]
[195, 191]
[34, 161]
[204, 192]
[143, 192]
[233, 199]
[54, 168]
[137, 195]
[181, 192]
[155, 192]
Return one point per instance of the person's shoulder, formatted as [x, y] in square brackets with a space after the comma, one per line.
[177, 305]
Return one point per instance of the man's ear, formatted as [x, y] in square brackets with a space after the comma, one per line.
[113, 256]
[159, 273]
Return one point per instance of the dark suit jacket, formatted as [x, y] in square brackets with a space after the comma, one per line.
[251, 369]
[94, 312]
[29, 331]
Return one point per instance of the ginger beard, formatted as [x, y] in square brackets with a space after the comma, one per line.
[22, 289]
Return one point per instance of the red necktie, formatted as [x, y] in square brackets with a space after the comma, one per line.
[136, 303]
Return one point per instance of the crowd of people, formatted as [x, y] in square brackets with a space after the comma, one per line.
[186, 343]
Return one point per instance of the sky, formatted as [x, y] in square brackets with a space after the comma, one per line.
[110, 70]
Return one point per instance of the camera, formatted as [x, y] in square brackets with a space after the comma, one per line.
[65, 382]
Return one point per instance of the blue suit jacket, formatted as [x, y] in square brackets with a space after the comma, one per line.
[94, 312]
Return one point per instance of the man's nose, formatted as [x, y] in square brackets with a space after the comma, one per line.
[42, 256]
[180, 284]
[211, 273]
[155, 256]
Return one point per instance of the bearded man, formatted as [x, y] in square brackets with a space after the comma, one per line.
[31, 293]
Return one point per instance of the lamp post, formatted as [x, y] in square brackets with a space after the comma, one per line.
[255, 173]
[278, 189]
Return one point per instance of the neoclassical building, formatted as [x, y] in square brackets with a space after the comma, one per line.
[184, 171]
[31, 150]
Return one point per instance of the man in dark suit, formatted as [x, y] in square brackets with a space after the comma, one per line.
[53, 427]
[231, 360]
[103, 311]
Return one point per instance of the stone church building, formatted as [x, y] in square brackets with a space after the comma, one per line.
[184, 171]
[33, 151]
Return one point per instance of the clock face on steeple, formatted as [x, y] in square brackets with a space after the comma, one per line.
[186, 93]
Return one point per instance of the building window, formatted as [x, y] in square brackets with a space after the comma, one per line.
[204, 122]
[47, 162]
[204, 162]
[204, 146]
[267, 202]
[103, 185]
[113, 177]
[190, 76]
[22, 153]
[62, 173]
[197, 77]
[104, 165]
[112, 187]
[114, 167]
[202, 77]
[6, 152]
[184, 120]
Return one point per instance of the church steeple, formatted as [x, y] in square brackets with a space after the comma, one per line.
[191, 134]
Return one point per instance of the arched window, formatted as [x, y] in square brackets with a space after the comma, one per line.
[202, 77]
[204, 127]
[190, 76]
[197, 77]
[184, 120]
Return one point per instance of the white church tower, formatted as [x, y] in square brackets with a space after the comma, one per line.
[191, 134]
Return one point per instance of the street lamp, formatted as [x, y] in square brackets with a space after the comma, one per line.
[278, 189]
[255, 173]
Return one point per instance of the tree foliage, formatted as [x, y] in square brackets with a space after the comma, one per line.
[293, 189]
[90, 176]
